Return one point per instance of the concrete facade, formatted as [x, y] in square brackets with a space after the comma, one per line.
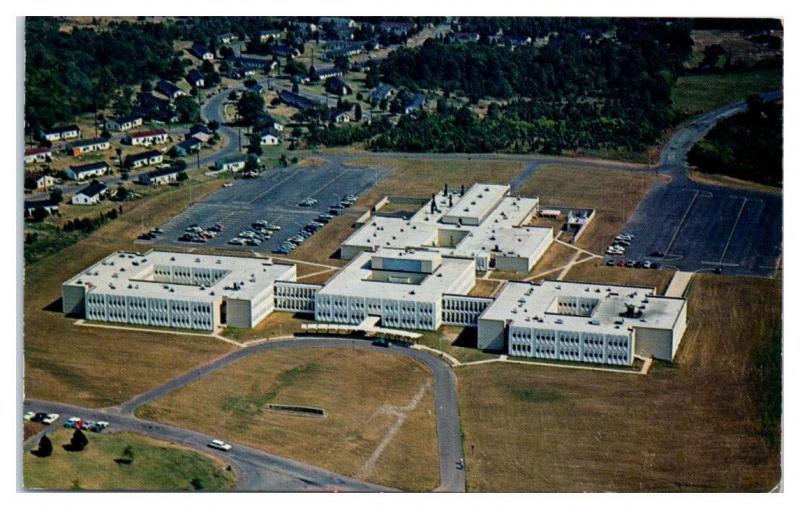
[177, 290]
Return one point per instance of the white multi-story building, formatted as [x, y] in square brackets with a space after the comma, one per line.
[404, 288]
[483, 223]
[582, 322]
[178, 290]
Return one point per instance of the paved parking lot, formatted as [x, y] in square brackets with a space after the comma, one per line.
[703, 227]
[273, 196]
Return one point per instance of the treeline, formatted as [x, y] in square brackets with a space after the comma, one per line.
[69, 73]
[747, 146]
[574, 93]
[89, 224]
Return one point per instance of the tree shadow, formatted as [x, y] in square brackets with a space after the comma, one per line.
[72, 448]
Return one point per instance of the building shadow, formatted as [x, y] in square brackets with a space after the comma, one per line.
[57, 306]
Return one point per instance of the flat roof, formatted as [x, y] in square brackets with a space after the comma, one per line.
[536, 305]
[124, 273]
[358, 279]
[478, 201]
[499, 233]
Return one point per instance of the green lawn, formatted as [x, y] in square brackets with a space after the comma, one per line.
[156, 466]
[700, 93]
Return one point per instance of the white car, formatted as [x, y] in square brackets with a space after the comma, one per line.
[51, 418]
[28, 416]
[219, 444]
[227, 184]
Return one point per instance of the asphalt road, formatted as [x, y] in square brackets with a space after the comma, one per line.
[260, 471]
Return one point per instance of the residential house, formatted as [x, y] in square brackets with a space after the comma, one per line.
[381, 92]
[245, 63]
[340, 116]
[304, 26]
[268, 120]
[147, 138]
[125, 122]
[187, 146]
[226, 38]
[169, 89]
[281, 50]
[514, 41]
[269, 35]
[63, 132]
[85, 171]
[337, 22]
[269, 136]
[465, 37]
[155, 108]
[38, 181]
[344, 51]
[397, 27]
[90, 194]
[200, 132]
[196, 79]
[414, 104]
[147, 158]
[329, 72]
[159, 177]
[80, 147]
[201, 52]
[297, 100]
[232, 163]
[337, 86]
[37, 155]
[49, 205]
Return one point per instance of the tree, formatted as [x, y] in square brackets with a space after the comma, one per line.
[56, 195]
[118, 150]
[255, 144]
[39, 214]
[146, 86]
[213, 125]
[313, 77]
[45, 448]
[250, 107]
[251, 163]
[197, 484]
[122, 193]
[182, 176]
[122, 103]
[358, 113]
[187, 109]
[342, 62]
[78, 442]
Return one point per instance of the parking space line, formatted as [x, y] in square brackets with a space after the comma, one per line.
[680, 225]
[728, 243]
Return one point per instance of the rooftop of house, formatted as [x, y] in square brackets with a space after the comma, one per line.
[36, 150]
[89, 166]
[164, 274]
[146, 134]
[143, 155]
[93, 189]
[88, 141]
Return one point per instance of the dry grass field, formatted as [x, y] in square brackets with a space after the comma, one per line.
[595, 272]
[360, 391]
[460, 342]
[613, 193]
[98, 367]
[323, 246]
[708, 422]
[419, 177]
[484, 287]
[156, 466]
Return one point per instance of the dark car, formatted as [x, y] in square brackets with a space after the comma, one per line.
[718, 270]
[38, 417]
[657, 254]
[381, 342]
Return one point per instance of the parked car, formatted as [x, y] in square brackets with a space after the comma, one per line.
[227, 184]
[220, 445]
[99, 426]
[29, 416]
[38, 417]
[74, 422]
[50, 418]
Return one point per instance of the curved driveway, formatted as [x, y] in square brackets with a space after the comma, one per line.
[259, 471]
